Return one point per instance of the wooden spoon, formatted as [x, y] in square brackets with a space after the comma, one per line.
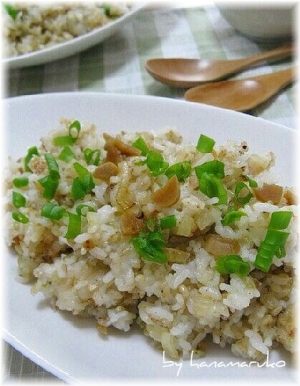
[241, 94]
[185, 73]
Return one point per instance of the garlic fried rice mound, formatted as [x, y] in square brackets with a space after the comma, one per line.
[187, 240]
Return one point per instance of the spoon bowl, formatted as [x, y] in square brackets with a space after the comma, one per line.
[186, 73]
[241, 94]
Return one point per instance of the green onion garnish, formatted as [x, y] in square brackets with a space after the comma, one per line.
[20, 217]
[64, 141]
[156, 239]
[11, 10]
[232, 216]
[92, 157]
[242, 193]
[82, 184]
[74, 226]
[18, 200]
[212, 186]
[50, 182]
[280, 220]
[156, 163]
[52, 166]
[205, 144]
[252, 183]
[140, 144]
[32, 151]
[53, 211]
[81, 170]
[50, 186]
[149, 245]
[74, 130]
[66, 155]
[83, 209]
[209, 176]
[274, 241]
[168, 222]
[106, 9]
[214, 167]
[20, 182]
[232, 264]
[181, 169]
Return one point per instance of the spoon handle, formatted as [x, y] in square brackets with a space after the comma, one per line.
[278, 80]
[277, 53]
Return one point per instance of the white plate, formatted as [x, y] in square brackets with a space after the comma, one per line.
[71, 348]
[73, 46]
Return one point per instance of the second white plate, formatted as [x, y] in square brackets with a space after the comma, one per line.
[73, 46]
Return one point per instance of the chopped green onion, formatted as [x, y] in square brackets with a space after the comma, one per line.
[232, 264]
[232, 216]
[280, 219]
[212, 186]
[50, 186]
[149, 247]
[150, 244]
[168, 222]
[82, 184]
[32, 151]
[18, 200]
[140, 144]
[264, 257]
[205, 144]
[20, 217]
[74, 129]
[209, 176]
[11, 10]
[252, 183]
[181, 169]
[20, 182]
[242, 193]
[81, 170]
[214, 167]
[52, 166]
[66, 155]
[83, 209]
[92, 157]
[107, 9]
[156, 163]
[280, 252]
[74, 226]
[53, 211]
[156, 239]
[276, 237]
[274, 241]
[65, 140]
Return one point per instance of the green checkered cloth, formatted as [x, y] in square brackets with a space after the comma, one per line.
[118, 66]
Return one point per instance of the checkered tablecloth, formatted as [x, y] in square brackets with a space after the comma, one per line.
[117, 66]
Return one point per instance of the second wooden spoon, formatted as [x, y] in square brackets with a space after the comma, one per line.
[186, 73]
[241, 94]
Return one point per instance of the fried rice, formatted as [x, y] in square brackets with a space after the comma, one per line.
[178, 297]
[29, 27]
